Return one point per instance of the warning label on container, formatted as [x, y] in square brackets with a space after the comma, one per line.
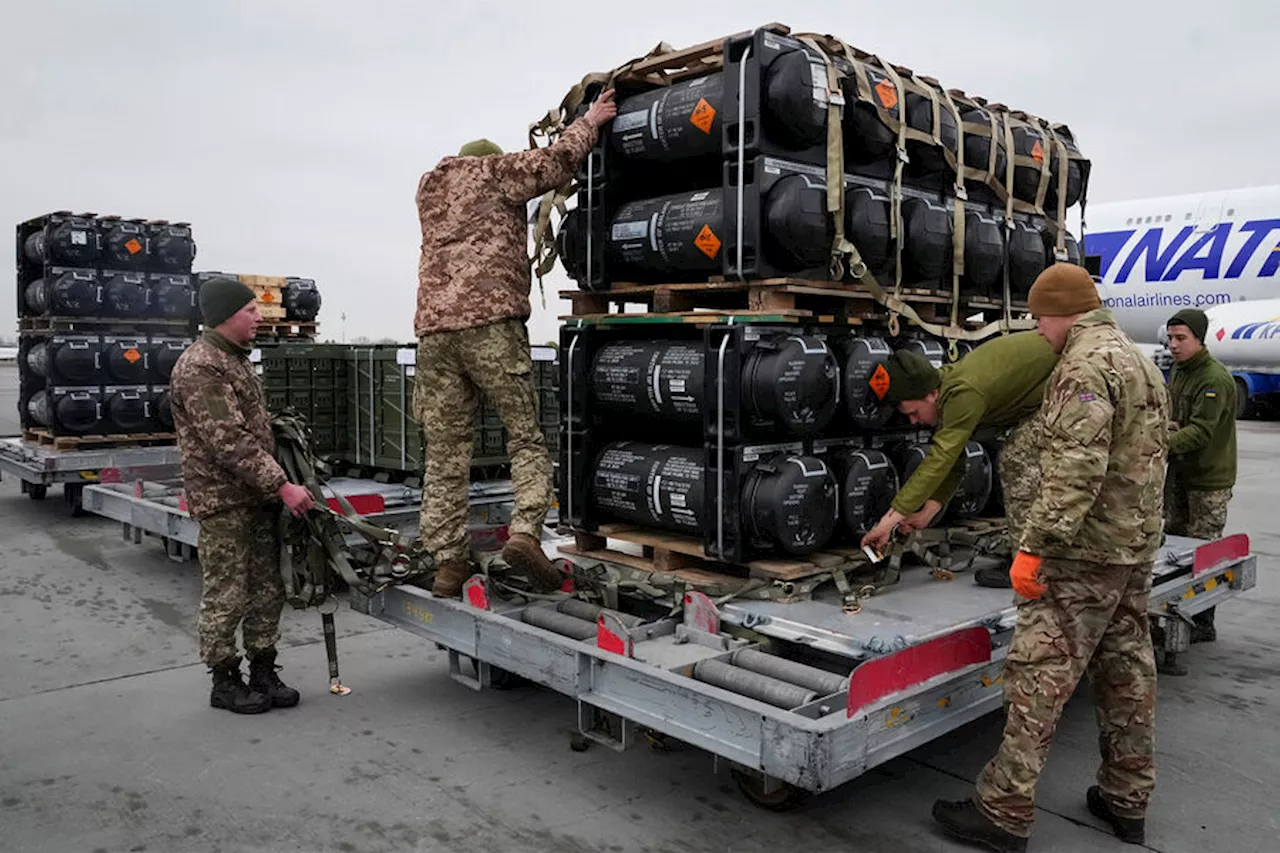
[267, 296]
[132, 356]
[707, 241]
[703, 115]
[879, 381]
[79, 238]
[1037, 152]
[133, 246]
[887, 93]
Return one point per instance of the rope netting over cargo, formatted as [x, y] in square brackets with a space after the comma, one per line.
[772, 154]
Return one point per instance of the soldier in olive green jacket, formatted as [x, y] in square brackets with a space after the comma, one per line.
[1202, 447]
[997, 386]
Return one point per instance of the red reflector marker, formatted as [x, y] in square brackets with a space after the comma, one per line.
[878, 678]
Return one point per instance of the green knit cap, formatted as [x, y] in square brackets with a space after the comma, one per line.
[479, 148]
[1194, 319]
[221, 297]
[911, 376]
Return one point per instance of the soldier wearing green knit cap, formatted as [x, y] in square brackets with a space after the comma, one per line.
[996, 387]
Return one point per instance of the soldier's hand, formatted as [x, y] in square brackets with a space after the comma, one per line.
[603, 110]
[922, 517]
[1025, 575]
[296, 498]
[879, 535]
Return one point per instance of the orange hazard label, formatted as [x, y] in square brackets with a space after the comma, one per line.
[1037, 152]
[707, 241]
[132, 356]
[703, 115]
[268, 296]
[879, 381]
[887, 93]
[133, 246]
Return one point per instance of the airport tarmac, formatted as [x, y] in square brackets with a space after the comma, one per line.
[107, 741]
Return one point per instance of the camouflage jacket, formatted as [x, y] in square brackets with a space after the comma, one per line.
[474, 266]
[224, 431]
[1106, 443]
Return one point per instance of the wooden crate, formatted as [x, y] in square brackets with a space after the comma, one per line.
[274, 329]
[80, 442]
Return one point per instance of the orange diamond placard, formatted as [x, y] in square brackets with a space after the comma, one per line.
[133, 246]
[1037, 152]
[879, 381]
[132, 356]
[268, 296]
[703, 115]
[887, 93]
[707, 241]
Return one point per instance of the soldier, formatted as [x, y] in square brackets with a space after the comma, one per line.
[997, 386]
[1084, 573]
[234, 487]
[473, 301]
[1202, 449]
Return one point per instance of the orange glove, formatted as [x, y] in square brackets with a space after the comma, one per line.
[1025, 575]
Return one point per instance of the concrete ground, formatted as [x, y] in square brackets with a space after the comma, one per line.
[107, 742]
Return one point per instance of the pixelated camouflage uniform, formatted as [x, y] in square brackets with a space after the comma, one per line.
[231, 477]
[1019, 471]
[1202, 452]
[473, 301]
[1097, 524]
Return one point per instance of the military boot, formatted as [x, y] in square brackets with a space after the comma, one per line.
[450, 576]
[1204, 631]
[1132, 830]
[995, 577]
[264, 680]
[965, 821]
[524, 554]
[231, 693]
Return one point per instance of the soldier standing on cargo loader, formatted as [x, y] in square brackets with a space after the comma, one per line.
[473, 301]
[234, 487]
[999, 385]
[1084, 570]
[1202, 449]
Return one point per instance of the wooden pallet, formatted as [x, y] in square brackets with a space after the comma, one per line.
[792, 298]
[80, 442]
[85, 324]
[685, 557]
[270, 329]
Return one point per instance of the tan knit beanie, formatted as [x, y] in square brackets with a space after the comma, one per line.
[1063, 290]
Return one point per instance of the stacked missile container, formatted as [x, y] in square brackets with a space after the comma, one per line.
[105, 305]
[767, 438]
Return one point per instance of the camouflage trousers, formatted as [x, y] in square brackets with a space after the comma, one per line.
[454, 369]
[240, 557]
[1200, 514]
[1092, 618]
[1019, 472]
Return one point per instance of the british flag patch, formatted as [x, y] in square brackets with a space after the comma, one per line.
[1087, 397]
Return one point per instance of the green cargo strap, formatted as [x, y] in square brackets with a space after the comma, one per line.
[958, 229]
[840, 246]
[1060, 219]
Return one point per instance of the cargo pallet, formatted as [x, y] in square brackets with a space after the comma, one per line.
[38, 466]
[75, 442]
[276, 330]
[919, 660]
[115, 325]
[789, 299]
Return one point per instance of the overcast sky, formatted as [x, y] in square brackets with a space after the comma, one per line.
[292, 134]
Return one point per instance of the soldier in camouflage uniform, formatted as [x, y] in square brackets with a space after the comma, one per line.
[1202, 449]
[473, 301]
[997, 386]
[1084, 574]
[234, 487]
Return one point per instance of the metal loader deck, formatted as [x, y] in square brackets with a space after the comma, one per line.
[38, 467]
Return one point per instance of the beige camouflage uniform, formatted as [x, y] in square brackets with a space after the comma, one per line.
[473, 301]
[1019, 473]
[1097, 524]
[231, 478]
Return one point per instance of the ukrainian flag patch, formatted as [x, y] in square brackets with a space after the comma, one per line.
[1210, 393]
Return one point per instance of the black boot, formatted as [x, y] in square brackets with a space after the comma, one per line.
[263, 678]
[1128, 829]
[965, 821]
[230, 692]
[1204, 631]
[995, 577]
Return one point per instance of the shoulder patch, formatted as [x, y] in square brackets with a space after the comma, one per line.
[1209, 392]
[1087, 397]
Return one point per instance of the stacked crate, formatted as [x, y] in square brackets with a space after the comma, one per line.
[289, 305]
[105, 306]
